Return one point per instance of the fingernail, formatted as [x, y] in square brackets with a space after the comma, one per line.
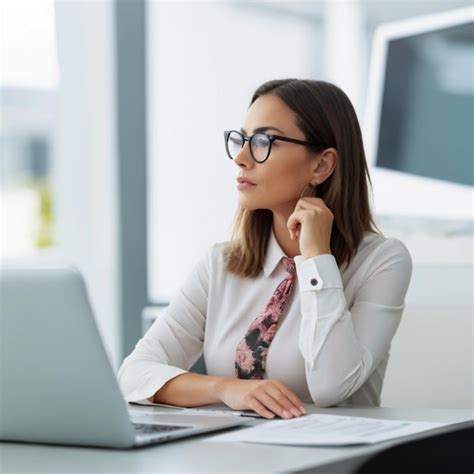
[286, 414]
[302, 410]
[295, 412]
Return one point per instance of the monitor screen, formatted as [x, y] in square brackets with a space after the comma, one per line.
[426, 120]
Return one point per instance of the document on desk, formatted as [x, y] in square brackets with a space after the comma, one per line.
[326, 430]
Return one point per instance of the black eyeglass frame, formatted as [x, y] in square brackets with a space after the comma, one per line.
[271, 139]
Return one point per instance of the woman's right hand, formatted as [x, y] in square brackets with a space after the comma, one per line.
[267, 397]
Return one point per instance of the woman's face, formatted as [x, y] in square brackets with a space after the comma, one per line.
[289, 168]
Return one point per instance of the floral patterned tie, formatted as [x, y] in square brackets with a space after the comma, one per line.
[251, 353]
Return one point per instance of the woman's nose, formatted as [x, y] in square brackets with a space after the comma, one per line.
[244, 157]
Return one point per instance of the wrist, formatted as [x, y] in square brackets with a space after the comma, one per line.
[220, 387]
[315, 253]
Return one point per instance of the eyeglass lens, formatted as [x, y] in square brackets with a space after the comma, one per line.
[259, 145]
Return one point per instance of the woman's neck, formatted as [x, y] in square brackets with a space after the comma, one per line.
[282, 235]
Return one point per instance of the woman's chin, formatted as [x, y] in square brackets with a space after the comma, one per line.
[247, 205]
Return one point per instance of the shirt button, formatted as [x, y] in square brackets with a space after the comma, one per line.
[314, 282]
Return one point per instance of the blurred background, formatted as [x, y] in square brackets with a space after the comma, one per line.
[112, 151]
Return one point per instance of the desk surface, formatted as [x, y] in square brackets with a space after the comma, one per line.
[192, 455]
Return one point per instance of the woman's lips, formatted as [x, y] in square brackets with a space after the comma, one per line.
[245, 185]
[242, 179]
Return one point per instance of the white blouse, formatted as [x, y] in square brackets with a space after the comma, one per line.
[333, 337]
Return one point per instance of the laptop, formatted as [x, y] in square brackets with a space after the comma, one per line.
[56, 381]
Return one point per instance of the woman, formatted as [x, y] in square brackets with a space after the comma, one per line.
[302, 303]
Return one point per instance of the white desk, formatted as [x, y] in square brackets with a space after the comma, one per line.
[193, 455]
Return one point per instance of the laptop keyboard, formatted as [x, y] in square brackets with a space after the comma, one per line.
[147, 428]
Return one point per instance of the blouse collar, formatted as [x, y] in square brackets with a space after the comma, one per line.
[273, 255]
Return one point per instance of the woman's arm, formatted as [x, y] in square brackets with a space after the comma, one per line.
[190, 390]
[174, 341]
[341, 347]
[267, 397]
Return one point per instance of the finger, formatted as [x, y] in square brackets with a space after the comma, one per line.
[305, 206]
[259, 408]
[292, 396]
[295, 233]
[294, 221]
[273, 405]
[301, 205]
[315, 204]
[283, 399]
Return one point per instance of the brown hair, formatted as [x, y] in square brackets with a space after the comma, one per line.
[326, 116]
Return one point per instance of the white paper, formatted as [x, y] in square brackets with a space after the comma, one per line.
[326, 430]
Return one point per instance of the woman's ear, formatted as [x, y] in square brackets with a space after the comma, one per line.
[325, 164]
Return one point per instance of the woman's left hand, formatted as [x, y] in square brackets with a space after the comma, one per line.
[311, 222]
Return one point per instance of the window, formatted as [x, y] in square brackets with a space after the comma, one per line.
[28, 80]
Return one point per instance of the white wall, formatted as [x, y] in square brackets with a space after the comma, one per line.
[84, 166]
[431, 359]
[205, 61]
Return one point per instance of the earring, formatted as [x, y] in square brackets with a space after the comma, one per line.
[305, 194]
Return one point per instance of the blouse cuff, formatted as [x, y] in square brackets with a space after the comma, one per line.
[157, 377]
[317, 273]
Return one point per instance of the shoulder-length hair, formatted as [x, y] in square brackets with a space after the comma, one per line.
[325, 115]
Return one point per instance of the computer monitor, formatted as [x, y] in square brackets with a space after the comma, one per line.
[418, 127]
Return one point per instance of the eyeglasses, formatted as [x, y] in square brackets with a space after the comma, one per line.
[260, 144]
